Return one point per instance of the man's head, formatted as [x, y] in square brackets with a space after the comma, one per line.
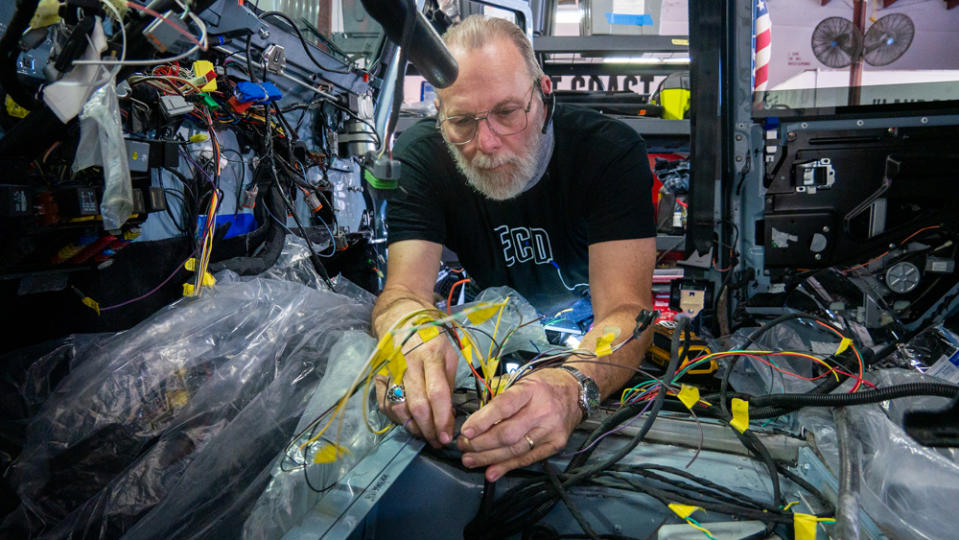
[501, 83]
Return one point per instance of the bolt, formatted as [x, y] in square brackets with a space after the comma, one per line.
[264, 33]
[805, 466]
[804, 125]
[825, 228]
[791, 136]
[818, 256]
[739, 137]
[924, 120]
[739, 158]
[859, 123]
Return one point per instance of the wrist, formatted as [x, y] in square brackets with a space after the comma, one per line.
[586, 395]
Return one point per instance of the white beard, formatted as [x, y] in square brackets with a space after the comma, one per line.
[505, 183]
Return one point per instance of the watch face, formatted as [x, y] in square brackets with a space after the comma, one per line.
[590, 394]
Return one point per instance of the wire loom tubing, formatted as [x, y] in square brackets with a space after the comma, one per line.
[795, 401]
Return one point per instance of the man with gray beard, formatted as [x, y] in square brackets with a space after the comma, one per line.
[548, 202]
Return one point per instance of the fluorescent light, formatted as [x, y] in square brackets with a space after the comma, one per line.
[646, 60]
[568, 16]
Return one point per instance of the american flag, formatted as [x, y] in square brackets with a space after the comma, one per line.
[762, 45]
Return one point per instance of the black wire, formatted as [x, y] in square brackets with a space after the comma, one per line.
[570, 505]
[306, 45]
[249, 57]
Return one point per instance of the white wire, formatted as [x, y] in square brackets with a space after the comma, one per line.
[201, 44]
[560, 274]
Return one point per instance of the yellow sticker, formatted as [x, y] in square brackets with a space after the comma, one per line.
[604, 344]
[467, 353]
[804, 527]
[396, 366]
[843, 345]
[428, 332]
[190, 264]
[740, 419]
[188, 290]
[689, 395]
[329, 453]
[91, 303]
[199, 137]
[681, 42]
[14, 109]
[208, 280]
[483, 314]
[684, 510]
[47, 14]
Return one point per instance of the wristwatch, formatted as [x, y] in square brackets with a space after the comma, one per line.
[588, 391]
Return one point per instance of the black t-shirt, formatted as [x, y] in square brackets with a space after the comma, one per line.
[595, 189]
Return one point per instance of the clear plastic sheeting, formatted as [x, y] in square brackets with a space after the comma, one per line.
[909, 490]
[529, 338]
[303, 472]
[102, 144]
[754, 377]
[172, 428]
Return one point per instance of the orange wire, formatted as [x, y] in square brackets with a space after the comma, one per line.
[449, 299]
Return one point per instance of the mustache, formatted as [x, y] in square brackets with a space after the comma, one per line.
[486, 161]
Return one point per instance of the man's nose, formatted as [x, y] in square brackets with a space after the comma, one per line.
[486, 139]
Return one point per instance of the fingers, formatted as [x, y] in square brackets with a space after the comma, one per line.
[428, 408]
[439, 395]
[504, 406]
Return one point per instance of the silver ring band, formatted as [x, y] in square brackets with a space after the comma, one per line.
[396, 393]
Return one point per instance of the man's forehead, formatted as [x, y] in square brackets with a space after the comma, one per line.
[488, 75]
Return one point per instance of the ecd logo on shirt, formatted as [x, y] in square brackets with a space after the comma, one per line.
[522, 244]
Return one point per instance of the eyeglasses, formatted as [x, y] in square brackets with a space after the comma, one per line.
[503, 120]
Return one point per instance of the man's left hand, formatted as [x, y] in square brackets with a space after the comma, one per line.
[530, 421]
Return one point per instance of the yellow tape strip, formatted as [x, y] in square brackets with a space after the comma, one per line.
[684, 510]
[740, 419]
[843, 345]
[689, 395]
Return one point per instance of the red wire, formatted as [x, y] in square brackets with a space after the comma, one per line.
[862, 367]
[449, 299]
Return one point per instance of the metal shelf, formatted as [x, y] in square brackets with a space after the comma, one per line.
[610, 45]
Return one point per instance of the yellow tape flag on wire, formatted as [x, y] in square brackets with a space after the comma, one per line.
[843, 345]
[329, 453]
[604, 343]
[483, 314]
[684, 510]
[689, 395]
[804, 526]
[740, 410]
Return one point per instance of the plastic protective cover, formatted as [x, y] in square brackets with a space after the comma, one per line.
[172, 428]
[102, 144]
[909, 490]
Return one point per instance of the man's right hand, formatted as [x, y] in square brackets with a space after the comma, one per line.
[427, 411]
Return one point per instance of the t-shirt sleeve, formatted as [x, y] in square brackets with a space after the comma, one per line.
[619, 202]
[414, 212]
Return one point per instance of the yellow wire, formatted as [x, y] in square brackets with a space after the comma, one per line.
[704, 530]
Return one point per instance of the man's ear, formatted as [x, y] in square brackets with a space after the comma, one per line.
[546, 85]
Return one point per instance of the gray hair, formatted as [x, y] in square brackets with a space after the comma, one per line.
[476, 31]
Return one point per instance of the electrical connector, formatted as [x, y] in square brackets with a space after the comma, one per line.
[164, 36]
[174, 105]
[249, 197]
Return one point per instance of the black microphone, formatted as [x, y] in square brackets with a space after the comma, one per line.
[424, 46]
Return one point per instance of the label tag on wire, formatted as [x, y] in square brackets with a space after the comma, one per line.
[804, 526]
[604, 344]
[689, 395]
[684, 510]
[740, 411]
[483, 314]
[843, 345]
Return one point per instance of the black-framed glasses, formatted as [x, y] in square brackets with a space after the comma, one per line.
[503, 120]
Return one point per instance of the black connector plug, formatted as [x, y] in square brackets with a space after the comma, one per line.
[643, 321]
